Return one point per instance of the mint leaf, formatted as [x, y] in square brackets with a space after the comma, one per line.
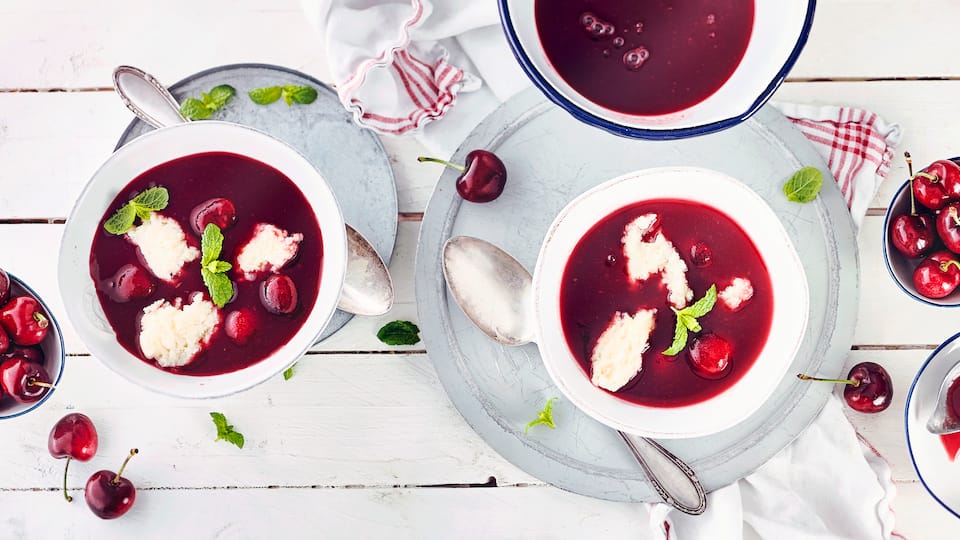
[210, 244]
[225, 431]
[121, 221]
[219, 285]
[219, 95]
[679, 339]
[304, 95]
[265, 96]
[689, 322]
[153, 199]
[804, 185]
[704, 305]
[142, 213]
[194, 109]
[288, 373]
[544, 417]
[399, 333]
[218, 267]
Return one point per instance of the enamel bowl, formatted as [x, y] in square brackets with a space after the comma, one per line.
[780, 30]
[758, 221]
[53, 353]
[147, 152]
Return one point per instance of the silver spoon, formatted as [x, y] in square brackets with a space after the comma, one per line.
[942, 422]
[367, 287]
[495, 293]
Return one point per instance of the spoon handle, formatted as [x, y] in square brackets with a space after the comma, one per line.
[143, 94]
[674, 480]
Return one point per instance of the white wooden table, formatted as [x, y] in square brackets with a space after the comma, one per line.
[363, 442]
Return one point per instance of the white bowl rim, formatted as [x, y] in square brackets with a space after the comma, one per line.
[334, 247]
[557, 356]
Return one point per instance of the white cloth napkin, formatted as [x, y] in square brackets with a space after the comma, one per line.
[401, 65]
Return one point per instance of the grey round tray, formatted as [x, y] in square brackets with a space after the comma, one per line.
[349, 157]
[551, 158]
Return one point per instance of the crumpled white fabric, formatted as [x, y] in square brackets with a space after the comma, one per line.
[829, 483]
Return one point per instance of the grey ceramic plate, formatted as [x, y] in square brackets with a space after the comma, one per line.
[349, 157]
[551, 158]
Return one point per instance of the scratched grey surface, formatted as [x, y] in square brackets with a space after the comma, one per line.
[550, 159]
[349, 157]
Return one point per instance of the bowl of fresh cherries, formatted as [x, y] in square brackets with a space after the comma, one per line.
[921, 246]
[31, 349]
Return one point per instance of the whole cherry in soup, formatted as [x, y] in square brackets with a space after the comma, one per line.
[108, 494]
[25, 382]
[868, 387]
[710, 356]
[219, 211]
[938, 275]
[278, 294]
[24, 320]
[483, 177]
[73, 437]
[131, 282]
[240, 325]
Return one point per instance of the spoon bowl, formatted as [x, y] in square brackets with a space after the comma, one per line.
[942, 421]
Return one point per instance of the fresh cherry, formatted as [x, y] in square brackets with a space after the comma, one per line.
[73, 437]
[24, 381]
[30, 354]
[710, 356]
[129, 283]
[701, 255]
[868, 389]
[240, 325]
[4, 340]
[218, 211]
[279, 294]
[948, 226]
[934, 186]
[913, 235]
[482, 179]
[24, 320]
[109, 494]
[938, 275]
[4, 287]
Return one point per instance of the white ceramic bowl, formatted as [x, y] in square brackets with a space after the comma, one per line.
[780, 30]
[146, 152]
[938, 472]
[759, 222]
[52, 347]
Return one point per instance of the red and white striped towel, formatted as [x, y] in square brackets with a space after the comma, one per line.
[401, 65]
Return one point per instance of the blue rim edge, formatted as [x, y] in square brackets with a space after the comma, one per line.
[886, 255]
[63, 353]
[906, 424]
[652, 134]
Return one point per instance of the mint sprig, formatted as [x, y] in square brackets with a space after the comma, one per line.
[544, 417]
[209, 102]
[148, 201]
[804, 185]
[290, 93]
[212, 270]
[288, 373]
[399, 333]
[225, 431]
[687, 320]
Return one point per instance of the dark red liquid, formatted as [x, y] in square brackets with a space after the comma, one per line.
[260, 193]
[951, 443]
[595, 285]
[647, 57]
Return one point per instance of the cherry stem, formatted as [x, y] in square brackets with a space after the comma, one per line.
[460, 168]
[34, 382]
[116, 479]
[42, 321]
[931, 177]
[65, 469]
[855, 383]
[952, 213]
[913, 202]
[947, 264]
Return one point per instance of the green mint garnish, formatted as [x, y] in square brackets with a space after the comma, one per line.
[151, 200]
[212, 270]
[209, 103]
[288, 373]
[544, 417]
[804, 185]
[399, 333]
[290, 93]
[225, 431]
[687, 320]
